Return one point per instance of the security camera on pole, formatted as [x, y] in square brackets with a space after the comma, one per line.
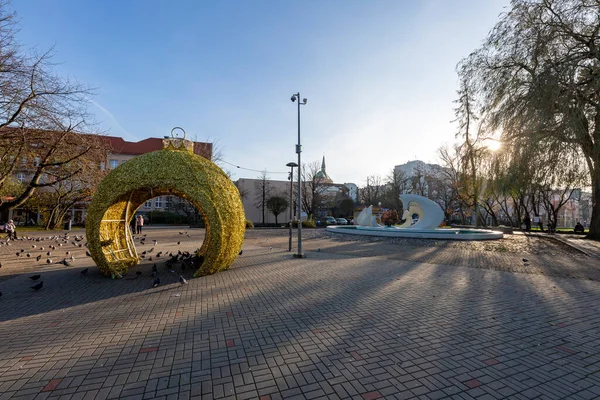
[299, 253]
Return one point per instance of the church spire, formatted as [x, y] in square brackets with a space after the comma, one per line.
[323, 164]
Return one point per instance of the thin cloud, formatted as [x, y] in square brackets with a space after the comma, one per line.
[110, 115]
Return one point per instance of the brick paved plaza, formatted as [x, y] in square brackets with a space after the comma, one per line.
[349, 321]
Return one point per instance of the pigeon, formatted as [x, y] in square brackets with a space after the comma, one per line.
[0, 294]
[38, 258]
[38, 286]
[181, 233]
[35, 277]
[28, 254]
[151, 250]
[87, 253]
[18, 254]
[138, 273]
[156, 282]
[178, 242]
[182, 280]
[48, 253]
[85, 271]
[0, 265]
[48, 261]
[240, 253]
[65, 262]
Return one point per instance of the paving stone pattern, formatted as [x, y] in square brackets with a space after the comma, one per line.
[328, 326]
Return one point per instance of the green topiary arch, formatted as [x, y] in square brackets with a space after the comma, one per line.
[175, 170]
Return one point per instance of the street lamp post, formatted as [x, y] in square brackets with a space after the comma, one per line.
[291, 165]
[299, 254]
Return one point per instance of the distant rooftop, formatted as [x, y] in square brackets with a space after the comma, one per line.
[118, 145]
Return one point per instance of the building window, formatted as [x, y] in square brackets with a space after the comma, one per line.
[148, 204]
[102, 166]
[158, 202]
[169, 202]
[21, 177]
[114, 164]
[123, 161]
[24, 161]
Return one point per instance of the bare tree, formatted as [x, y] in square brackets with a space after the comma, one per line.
[397, 183]
[537, 76]
[263, 192]
[371, 193]
[313, 188]
[451, 173]
[41, 116]
[58, 199]
[472, 152]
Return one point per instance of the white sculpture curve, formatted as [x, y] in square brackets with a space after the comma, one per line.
[366, 217]
[430, 217]
[430, 213]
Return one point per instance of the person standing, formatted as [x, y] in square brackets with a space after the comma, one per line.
[133, 225]
[11, 230]
[527, 223]
[139, 223]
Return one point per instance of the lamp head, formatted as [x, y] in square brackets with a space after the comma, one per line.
[304, 101]
[291, 164]
[293, 98]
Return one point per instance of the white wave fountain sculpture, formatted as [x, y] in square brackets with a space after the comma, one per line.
[426, 225]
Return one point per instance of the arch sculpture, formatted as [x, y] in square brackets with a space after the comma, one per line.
[174, 170]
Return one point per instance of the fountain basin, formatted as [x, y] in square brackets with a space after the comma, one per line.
[445, 234]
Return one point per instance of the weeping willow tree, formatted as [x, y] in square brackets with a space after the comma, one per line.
[536, 79]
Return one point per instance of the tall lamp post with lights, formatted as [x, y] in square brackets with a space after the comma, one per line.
[299, 254]
[291, 165]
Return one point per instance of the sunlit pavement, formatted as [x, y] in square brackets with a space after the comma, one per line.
[328, 326]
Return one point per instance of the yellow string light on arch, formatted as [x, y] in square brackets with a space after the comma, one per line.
[175, 170]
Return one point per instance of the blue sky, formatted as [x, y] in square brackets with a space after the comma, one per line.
[379, 75]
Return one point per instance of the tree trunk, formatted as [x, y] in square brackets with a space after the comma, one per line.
[594, 232]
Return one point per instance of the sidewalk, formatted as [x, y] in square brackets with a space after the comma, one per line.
[329, 326]
[590, 248]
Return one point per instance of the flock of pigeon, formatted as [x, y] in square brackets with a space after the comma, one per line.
[59, 246]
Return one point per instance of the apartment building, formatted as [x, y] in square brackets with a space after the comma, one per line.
[116, 152]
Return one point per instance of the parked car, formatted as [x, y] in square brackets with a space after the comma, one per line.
[328, 221]
[341, 221]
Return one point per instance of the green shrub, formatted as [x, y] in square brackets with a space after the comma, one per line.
[309, 223]
[249, 224]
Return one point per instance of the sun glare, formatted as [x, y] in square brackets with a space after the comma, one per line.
[493, 145]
